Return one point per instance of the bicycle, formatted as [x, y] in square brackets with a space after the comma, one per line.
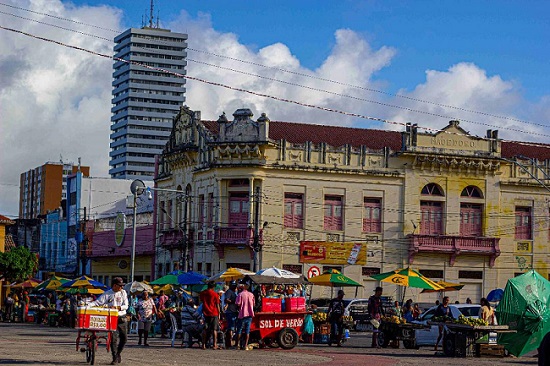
[90, 321]
[92, 341]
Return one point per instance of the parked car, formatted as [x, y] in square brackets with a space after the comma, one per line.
[428, 336]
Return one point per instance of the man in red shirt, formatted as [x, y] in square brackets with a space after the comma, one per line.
[211, 311]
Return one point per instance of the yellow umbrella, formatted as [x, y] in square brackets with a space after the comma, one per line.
[30, 283]
[408, 278]
[231, 274]
[447, 286]
[168, 289]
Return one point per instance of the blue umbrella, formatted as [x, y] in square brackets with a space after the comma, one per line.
[191, 278]
[495, 295]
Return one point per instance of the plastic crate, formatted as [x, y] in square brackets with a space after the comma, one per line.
[321, 338]
[295, 304]
[270, 304]
[96, 318]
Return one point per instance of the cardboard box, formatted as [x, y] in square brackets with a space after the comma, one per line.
[271, 304]
[295, 304]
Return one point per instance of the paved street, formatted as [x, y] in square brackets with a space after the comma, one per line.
[28, 344]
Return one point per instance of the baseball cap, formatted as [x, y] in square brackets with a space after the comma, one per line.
[341, 292]
[378, 289]
[233, 283]
[118, 281]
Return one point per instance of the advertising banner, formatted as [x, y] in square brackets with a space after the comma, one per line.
[322, 252]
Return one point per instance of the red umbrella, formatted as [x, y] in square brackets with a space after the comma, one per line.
[30, 283]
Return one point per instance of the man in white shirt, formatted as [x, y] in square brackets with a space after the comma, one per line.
[117, 298]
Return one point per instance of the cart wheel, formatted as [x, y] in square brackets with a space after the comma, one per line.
[287, 338]
[90, 350]
[449, 345]
[410, 344]
[383, 340]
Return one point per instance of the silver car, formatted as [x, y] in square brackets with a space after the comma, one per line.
[428, 336]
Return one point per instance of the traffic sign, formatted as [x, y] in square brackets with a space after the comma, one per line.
[313, 271]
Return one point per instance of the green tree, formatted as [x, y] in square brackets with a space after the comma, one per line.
[17, 264]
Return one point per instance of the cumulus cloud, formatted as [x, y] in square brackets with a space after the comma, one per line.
[56, 101]
[469, 89]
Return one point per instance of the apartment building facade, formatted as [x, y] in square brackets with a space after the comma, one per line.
[309, 198]
[43, 188]
[145, 98]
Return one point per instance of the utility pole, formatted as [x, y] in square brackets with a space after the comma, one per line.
[184, 263]
[256, 244]
[83, 245]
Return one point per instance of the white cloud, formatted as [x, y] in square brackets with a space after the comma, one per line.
[56, 101]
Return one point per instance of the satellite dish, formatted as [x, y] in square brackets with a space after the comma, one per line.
[137, 186]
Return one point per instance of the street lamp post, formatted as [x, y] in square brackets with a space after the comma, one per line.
[136, 188]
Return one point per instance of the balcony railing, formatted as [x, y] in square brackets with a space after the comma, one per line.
[172, 239]
[454, 245]
[236, 236]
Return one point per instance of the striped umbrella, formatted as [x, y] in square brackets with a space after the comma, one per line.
[30, 283]
[53, 283]
[408, 278]
[447, 286]
[84, 285]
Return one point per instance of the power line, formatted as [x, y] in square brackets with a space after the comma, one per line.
[280, 99]
[297, 74]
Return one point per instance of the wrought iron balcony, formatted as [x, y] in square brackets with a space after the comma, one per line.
[454, 246]
[172, 239]
[236, 236]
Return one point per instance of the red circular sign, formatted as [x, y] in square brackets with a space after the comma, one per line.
[313, 271]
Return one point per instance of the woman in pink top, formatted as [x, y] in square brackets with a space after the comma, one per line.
[245, 301]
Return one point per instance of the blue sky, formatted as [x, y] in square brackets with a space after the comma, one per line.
[508, 38]
[484, 63]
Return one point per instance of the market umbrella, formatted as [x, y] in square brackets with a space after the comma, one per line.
[30, 283]
[408, 278]
[84, 285]
[137, 287]
[230, 274]
[168, 289]
[277, 272]
[447, 286]
[191, 278]
[334, 278]
[169, 279]
[525, 307]
[495, 295]
[53, 283]
[276, 275]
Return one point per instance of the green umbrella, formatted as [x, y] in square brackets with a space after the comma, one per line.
[334, 278]
[170, 279]
[53, 283]
[409, 278]
[525, 307]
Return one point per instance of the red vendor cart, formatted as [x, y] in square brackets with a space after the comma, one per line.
[277, 325]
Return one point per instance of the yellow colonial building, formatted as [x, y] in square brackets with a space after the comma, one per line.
[259, 193]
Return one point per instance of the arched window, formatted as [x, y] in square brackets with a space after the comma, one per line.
[432, 189]
[471, 213]
[471, 192]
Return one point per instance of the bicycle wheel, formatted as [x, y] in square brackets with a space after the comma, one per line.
[91, 346]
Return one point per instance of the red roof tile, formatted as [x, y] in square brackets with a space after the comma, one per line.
[337, 136]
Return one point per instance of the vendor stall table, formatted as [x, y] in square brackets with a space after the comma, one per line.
[405, 332]
[462, 340]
